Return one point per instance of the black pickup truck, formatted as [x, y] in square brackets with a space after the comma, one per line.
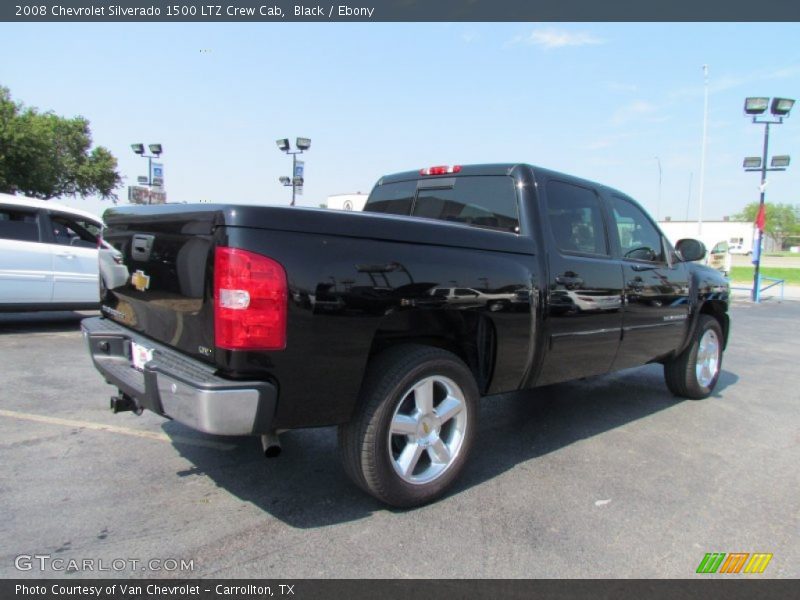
[452, 284]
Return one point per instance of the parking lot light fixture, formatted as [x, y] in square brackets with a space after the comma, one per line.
[781, 107]
[780, 161]
[295, 181]
[755, 105]
[155, 152]
[752, 162]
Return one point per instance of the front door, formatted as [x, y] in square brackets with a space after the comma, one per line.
[656, 287]
[75, 261]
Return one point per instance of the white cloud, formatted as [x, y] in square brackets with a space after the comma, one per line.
[556, 38]
[783, 73]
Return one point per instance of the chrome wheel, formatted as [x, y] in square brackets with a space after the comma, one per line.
[427, 429]
[707, 364]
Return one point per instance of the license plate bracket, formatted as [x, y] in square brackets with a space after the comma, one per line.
[140, 356]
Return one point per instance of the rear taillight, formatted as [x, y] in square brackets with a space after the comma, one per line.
[250, 297]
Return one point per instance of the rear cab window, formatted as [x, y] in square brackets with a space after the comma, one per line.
[485, 201]
[392, 198]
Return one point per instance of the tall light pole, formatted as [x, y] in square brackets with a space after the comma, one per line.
[155, 152]
[296, 179]
[703, 154]
[658, 205]
[689, 195]
[753, 107]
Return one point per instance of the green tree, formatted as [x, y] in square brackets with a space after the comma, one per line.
[782, 220]
[44, 155]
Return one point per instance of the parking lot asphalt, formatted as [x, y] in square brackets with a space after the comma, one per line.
[605, 477]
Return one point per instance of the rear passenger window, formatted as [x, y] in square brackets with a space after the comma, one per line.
[481, 201]
[19, 225]
[576, 219]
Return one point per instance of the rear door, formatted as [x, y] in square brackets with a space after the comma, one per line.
[75, 262]
[656, 287]
[26, 264]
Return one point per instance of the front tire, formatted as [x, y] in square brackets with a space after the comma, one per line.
[694, 373]
[414, 426]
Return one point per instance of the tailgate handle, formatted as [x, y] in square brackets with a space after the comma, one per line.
[141, 247]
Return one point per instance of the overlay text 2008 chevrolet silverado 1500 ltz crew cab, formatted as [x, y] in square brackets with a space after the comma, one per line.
[247, 320]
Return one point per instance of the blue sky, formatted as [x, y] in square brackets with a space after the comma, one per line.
[596, 100]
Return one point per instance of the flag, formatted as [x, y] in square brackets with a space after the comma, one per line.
[761, 218]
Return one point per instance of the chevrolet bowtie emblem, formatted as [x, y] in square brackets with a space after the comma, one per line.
[425, 428]
[140, 281]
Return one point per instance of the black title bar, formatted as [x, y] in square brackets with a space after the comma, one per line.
[708, 587]
[399, 10]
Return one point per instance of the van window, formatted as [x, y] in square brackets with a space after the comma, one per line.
[19, 225]
[74, 231]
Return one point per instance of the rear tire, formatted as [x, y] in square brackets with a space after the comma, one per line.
[414, 426]
[695, 371]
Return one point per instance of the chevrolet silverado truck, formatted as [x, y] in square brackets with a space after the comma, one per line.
[253, 320]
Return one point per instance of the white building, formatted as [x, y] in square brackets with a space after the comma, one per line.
[713, 232]
[348, 201]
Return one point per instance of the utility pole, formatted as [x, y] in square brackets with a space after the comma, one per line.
[703, 155]
[658, 204]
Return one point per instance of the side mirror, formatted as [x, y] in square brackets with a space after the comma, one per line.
[690, 250]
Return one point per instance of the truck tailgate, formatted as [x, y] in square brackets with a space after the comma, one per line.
[169, 257]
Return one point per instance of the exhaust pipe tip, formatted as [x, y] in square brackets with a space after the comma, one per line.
[271, 445]
[272, 452]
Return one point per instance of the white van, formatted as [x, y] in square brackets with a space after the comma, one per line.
[49, 257]
[738, 245]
